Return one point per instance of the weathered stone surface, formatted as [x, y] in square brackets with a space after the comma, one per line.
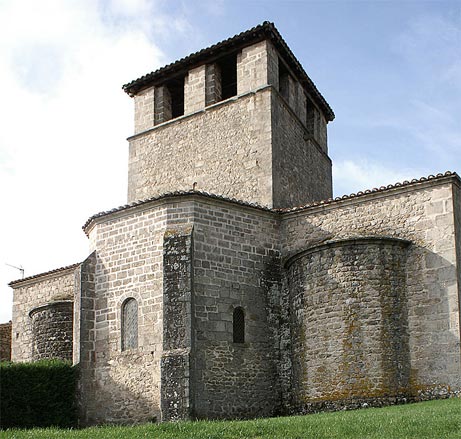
[431, 270]
[338, 310]
[123, 386]
[256, 147]
[349, 321]
[177, 324]
[144, 110]
[301, 167]
[30, 294]
[176, 400]
[213, 89]
[232, 159]
[5, 341]
[194, 90]
[52, 327]
[235, 265]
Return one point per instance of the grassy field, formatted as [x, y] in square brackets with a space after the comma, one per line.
[434, 419]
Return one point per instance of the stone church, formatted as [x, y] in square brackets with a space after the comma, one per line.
[232, 284]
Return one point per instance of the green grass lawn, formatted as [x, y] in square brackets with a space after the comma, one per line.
[433, 419]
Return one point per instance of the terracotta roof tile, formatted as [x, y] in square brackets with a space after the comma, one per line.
[255, 34]
[369, 191]
[174, 194]
[264, 208]
[35, 276]
[408, 183]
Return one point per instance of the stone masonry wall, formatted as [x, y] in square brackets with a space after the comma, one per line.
[52, 329]
[30, 294]
[422, 214]
[255, 147]
[177, 324]
[301, 170]
[144, 110]
[5, 341]
[124, 386]
[236, 256]
[84, 336]
[213, 84]
[256, 67]
[188, 347]
[194, 90]
[457, 213]
[349, 322]
[236, 264]
[226, 149]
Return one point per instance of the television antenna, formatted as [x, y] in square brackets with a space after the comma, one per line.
[17, 268]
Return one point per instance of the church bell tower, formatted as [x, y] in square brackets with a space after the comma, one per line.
[240, 119]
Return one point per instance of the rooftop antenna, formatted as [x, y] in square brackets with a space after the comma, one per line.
[17, 268]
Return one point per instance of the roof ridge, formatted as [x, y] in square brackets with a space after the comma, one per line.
[126, 87]
[368, 191]
[265, 208]
[45, 273]
[174, 194]
[266, 29]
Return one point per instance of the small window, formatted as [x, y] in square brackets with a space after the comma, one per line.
[239, 325]
[129, 324]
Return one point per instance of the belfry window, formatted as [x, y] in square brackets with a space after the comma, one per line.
[221, 79]
[129, 324]
[176, 89]
[169, 100]
[228, 67]
[238, 325]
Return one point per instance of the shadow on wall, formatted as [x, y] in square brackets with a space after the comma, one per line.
[115, 387]
[115, 395]
[369, 322]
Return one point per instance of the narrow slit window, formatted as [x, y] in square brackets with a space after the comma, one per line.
[129, 324]
[239, 325]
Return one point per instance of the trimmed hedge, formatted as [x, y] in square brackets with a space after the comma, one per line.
[40, 394]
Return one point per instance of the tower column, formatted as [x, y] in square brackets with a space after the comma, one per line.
[194, 90]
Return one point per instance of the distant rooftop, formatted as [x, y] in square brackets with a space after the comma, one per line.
[266, 30]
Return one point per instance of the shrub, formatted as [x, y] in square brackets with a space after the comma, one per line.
[39, 394]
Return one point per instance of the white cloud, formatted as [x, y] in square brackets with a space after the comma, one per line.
[353, 176]
[64, 123]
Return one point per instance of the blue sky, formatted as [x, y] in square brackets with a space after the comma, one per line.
[391, 71]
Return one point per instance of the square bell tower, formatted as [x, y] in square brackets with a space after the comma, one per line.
[240, 119]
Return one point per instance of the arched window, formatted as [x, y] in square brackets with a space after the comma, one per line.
[239, 325]
[129, 324]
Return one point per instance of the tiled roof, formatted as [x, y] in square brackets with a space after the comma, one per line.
[257, 33]
[369, 191]
[56, 270]
[175, 194]
[264, 208]
[406, 183]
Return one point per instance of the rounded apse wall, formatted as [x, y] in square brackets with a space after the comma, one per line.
[349, 321]
[52, 327]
